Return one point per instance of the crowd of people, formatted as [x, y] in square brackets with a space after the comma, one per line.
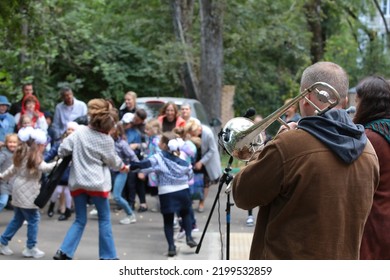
[105, 143]
[322, 186]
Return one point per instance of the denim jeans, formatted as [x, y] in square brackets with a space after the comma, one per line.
[73, 236]
[3, 200]
[119, 184]
[32, 217]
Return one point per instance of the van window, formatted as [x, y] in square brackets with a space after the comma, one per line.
[152, 109]
[200, 113]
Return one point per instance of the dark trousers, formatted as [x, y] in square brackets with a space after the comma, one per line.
[134, 186]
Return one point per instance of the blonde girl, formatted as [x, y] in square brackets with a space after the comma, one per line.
[6, 155]
[153, 133]
[25, 121]
[28, 166]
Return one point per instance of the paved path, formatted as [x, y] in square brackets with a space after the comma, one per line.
[145, 239]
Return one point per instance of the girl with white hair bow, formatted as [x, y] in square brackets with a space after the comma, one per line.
[173, 174]
[27, 168]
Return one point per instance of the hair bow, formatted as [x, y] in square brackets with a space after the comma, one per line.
[175, 144]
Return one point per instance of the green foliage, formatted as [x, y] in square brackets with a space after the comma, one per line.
[68, 46]
[341, 48]
[264, 56]
[104, 48]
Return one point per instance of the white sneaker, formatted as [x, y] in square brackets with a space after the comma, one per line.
[5, 250]
[34, 252]
[93, 212]
[180, 234]
[250, 221]
[176, 223]
[130, 219]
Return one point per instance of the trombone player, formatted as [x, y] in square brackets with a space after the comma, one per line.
[315, 183]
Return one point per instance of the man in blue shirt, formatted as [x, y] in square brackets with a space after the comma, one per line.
[68, 110]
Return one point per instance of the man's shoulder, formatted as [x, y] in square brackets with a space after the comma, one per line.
[79, 102]
[197, 121]
[206, 129]
[61, 104]
[293, 140]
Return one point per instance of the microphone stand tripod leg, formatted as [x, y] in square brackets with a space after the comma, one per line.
[226, 178]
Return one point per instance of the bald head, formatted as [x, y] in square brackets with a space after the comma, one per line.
[330, 73]
[327, 72]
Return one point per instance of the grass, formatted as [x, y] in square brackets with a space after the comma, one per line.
[225, 159]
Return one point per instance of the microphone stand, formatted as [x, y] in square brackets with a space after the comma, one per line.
[229, 205]
[226, 178]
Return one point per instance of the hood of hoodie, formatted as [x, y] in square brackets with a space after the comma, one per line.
[337, 131]
[177, 167]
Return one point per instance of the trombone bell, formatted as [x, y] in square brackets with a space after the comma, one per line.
[238, 149]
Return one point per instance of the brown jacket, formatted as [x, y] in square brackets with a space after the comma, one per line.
[313, 205]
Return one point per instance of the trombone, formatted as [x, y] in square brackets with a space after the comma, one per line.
[241, 137]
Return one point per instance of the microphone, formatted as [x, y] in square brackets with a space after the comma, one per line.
[225, 134]
[351, 110]
[249, 113]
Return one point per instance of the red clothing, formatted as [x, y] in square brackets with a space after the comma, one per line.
[37, 110]
[376, 237]
[180, 122]
[90, 193]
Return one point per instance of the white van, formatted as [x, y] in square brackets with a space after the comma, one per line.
[152, 106]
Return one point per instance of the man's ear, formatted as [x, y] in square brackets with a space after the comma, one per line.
[310, 97]
[344, 102]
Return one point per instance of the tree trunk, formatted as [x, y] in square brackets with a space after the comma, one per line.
[387, 31]
[211, 63]
[24, 32]
[182, 11]
[313, 13]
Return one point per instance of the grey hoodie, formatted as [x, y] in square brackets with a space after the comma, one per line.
[337, 131]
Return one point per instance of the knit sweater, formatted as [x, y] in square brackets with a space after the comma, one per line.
[93, 154]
